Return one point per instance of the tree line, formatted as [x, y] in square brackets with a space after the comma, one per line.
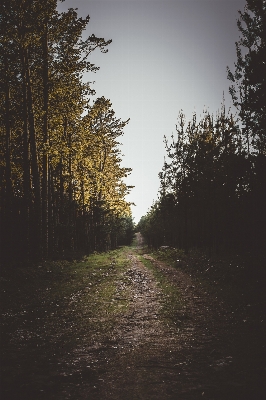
[61, 182]
[213, 182]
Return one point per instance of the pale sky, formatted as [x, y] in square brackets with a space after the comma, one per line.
[166, 55]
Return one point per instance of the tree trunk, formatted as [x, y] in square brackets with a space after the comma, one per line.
[7, 234]
[70, 189]
[8, 150]
[34, 164]
[45, 161]
[26, 164]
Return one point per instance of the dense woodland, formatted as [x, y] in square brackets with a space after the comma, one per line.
[61, 183]
[213, 181]
[62, 186]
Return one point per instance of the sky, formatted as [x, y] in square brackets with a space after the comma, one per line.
[165, 56]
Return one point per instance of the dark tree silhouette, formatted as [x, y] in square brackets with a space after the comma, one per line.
[213, 183]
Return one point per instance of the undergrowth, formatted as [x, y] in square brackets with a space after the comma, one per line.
[236, 279]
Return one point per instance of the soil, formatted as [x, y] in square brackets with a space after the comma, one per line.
[201, 350]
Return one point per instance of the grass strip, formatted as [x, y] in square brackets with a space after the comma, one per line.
[52, 308]
[171, 300]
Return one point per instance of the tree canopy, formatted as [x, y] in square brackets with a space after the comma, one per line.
[213, 181]
[62, 186]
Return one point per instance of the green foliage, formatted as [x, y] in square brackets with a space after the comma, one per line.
[125, 231]
[249, 78]
[213, 186]
[62, 185]
[171, 301]
[170, 255]
[202, 186]
[207, 190]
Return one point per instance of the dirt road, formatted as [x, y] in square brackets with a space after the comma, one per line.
[167, 339]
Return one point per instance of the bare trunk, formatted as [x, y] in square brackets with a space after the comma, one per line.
[70, 189]
[7, 231]
[8, 151]
[45, 160]
[26, 163]
[34, 163]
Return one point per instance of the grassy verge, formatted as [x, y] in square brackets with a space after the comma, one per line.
[169, 255]
[81, 290]
[171, 300]
[235, 279]
[50, 309]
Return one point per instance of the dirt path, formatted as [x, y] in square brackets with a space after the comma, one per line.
[191, 350]
[131, 362]
[148, 357]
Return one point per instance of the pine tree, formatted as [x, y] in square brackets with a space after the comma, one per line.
[249, 78]
[58, 168]
[249, 95]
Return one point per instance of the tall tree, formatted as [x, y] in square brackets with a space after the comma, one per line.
[249, 78]
[201, 186]
[43, 58]
[249, 95]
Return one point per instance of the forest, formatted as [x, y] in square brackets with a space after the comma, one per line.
[92, 306]
[212, 192]
[62, 186]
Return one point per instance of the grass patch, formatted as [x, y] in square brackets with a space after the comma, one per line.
[93, 290]
[169, 255]
[236, 279]
[50, 309]
[171, 301]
